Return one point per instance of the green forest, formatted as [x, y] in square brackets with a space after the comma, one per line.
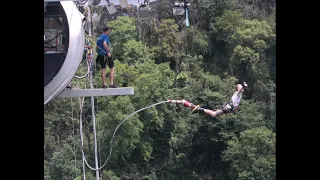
[227, 42]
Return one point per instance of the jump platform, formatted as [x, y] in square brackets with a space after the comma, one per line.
[68, 93]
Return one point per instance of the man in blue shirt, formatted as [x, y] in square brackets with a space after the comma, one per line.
[104, 57]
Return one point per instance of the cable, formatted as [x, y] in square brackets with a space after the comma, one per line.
[81, 102]
[83, 3]
[88, 71]
[185, 103]
[113, 136]
[74, 139]
[80, 119]
[94, 123]
[88, 65]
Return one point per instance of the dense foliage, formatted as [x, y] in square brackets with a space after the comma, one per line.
[228, 41]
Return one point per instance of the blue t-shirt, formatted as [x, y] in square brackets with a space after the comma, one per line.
[100, 41]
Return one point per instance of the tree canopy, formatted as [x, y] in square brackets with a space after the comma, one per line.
[228, 41]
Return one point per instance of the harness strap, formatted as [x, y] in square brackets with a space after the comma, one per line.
[230, 104]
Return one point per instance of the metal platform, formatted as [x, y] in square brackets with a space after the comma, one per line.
[96, 92]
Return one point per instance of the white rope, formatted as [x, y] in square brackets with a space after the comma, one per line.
[94, 125]
[74, 139]
[113, 136]
[80, 121]
[88, 70]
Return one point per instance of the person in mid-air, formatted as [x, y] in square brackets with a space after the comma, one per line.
[229, 107]
[104, 57]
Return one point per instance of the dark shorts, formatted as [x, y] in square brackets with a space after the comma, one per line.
[104, 60]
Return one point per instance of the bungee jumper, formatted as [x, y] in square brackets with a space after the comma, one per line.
[228, 107]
